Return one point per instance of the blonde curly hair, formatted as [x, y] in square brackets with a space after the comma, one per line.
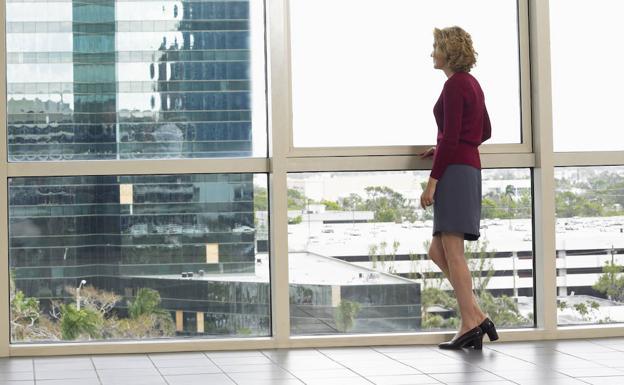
[455, 44]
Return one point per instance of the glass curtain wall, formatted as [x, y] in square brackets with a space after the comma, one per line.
[136, 256]
[358, 261]
[374, 57]
[590, 245]
[589, 197]
[162, 255]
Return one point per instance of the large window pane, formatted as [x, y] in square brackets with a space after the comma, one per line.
[587, 102]
[357, 250]
[590, 244]
[133, 79]
[366, 69]
[134, 257]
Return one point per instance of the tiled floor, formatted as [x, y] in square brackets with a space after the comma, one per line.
[598, 361]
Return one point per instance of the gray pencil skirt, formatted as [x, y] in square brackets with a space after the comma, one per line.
[457, 202]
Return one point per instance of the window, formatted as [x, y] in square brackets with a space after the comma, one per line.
[367, 69]
[357, 252]
[590, 244]
[586, 104]
[135, 80]
[135, 257]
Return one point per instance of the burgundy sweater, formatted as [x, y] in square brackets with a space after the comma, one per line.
[463, 123]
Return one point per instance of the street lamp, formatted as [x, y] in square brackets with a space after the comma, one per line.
[83, 282]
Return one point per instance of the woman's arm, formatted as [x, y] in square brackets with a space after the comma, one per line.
[453, 109]
[487, 127]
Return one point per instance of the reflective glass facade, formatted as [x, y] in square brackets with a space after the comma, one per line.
[106, 79]
[134, 79]
[189, 238]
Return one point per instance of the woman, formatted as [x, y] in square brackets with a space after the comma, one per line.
[455, 180]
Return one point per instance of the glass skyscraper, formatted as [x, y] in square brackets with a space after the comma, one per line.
[97, 80]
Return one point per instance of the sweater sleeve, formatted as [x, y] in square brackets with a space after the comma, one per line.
[453, 109]
[487, 127]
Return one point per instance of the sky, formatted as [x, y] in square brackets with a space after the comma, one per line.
[363, 67]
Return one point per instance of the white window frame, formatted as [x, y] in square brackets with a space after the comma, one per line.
[535, 152]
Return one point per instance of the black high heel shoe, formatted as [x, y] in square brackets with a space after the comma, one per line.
[488, 327]
[473, 337]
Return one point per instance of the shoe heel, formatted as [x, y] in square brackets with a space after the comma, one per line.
[477, 343]
[492, 334]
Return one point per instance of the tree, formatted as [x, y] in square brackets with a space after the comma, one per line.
[79, 323]
[345, 315]
[372, 255]
[388, 205]
[569, 204]
[490, 209]
[611, 282]
[95, 299]
[379, 253]
[296, 200]
[330, 205]
[510, 191]
[261, 199]
[147, 301]
[502, 310]
[27, 322]
[351, 203]
[147, 318]
[506, 205]
[296, 220]
[96, 318]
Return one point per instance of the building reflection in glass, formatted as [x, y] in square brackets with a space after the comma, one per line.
[105, 79]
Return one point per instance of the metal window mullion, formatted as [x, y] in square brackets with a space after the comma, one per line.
[545, 290]
[589, 158]
[397, 163]
[524, 35]
[139, 167]
[5, 325]
[280, 118]
[502, 148]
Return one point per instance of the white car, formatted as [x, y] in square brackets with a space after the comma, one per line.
[243, 229]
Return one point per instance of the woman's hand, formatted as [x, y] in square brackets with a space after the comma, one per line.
[426, 198]
[427, 153]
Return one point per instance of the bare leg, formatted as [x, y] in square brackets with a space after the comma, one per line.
[437, 255]
[459, 275]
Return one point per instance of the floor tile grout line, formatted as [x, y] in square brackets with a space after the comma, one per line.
[499, 352]
[339, 363]
[410, 366]
[220, 368]
[149, 357]
[518, 358]
[34, 372]
[281, 367]
[529, 362]
[95, 369]
[560, 352]
[488, 371]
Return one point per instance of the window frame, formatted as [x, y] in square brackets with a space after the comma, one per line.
[535, 151]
